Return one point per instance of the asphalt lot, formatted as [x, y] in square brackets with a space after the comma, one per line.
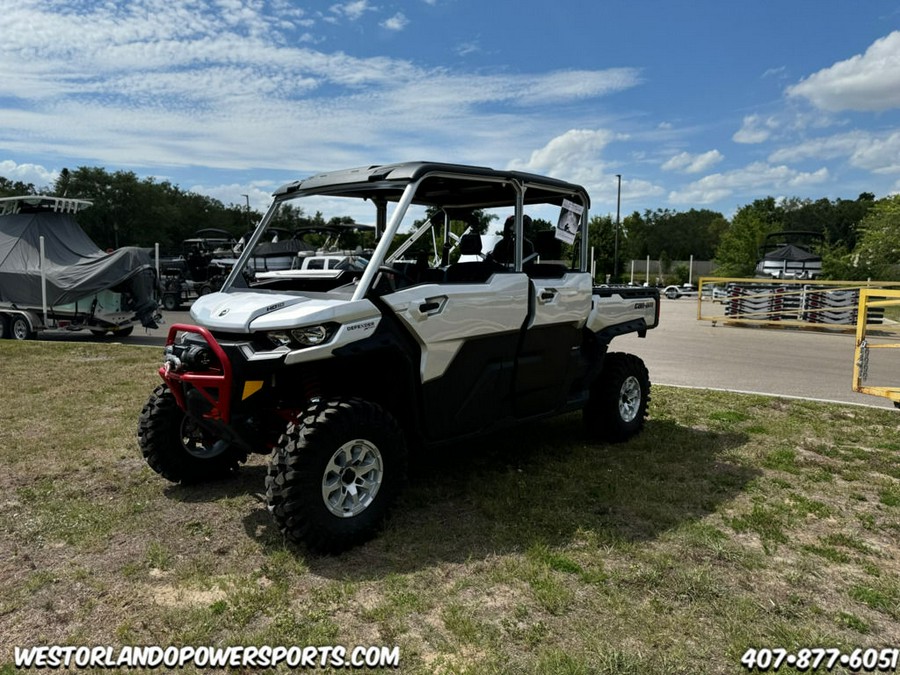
[788, 362]
[686, 352]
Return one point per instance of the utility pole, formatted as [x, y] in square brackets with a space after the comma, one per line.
[618, 210]
[247, 211]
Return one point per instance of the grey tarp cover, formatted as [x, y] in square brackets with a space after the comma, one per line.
[75, 266]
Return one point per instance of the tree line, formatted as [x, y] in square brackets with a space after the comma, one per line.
[859, 238]
[132, 211]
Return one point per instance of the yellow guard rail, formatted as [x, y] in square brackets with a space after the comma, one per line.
[873, 298]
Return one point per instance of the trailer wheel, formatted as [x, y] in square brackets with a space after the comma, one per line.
[619, 399]
[170, 302]
[177, 448]
[123, 332]
[335, 473]
[4, 327]
[19, 328]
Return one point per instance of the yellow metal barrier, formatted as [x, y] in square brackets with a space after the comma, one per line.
[786, 303]
[865, 347]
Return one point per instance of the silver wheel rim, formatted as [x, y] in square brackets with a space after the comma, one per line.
[352, 478]
[629, 399]
[195, 444]
[20, 329]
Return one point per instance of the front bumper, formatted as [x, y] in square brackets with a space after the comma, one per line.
[204, 395]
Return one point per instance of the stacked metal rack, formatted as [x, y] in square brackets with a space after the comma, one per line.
[819, 304]
[807, 303]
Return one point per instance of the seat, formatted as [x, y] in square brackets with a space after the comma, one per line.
[476, 271]
[549, 250]
[470, 244]
[505, 250]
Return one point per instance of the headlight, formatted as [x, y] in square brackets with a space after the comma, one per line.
[313, 335]
[307, 336]
[280, 338]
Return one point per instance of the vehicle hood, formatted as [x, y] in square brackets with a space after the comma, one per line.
[247, 312]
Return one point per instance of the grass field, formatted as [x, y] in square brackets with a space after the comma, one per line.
[733, 521]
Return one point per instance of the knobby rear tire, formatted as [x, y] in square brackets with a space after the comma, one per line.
[619, 400]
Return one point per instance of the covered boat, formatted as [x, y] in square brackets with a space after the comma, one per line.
[790, 255]
[53, 275]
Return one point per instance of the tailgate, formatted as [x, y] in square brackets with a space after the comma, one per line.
[630, 308]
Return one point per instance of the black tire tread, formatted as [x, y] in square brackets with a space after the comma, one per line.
[293, 480]
[171, 302]
[601, 415]
[159, 437]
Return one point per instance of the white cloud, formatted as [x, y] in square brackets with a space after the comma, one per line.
[689, 163]
[260, 194]
[352, 10]
[466, 48]
[753, 178]
[875, 152]
[396, 23]
[567, 154]
[880, 155]
[574, 84]
[755, 129]
[161, 84]
[867, 82]
[35, 174]
[577, 156]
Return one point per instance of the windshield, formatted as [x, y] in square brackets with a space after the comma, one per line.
[327, 241]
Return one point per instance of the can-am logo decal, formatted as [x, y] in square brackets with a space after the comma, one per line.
[224, 312]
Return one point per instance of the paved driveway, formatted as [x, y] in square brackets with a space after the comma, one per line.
[687, 352]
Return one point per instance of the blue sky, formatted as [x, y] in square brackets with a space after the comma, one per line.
[696, 103]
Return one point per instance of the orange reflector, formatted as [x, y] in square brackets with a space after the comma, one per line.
[250, 388]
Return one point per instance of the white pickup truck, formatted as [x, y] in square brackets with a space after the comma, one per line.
[341, 384]
[326, 270]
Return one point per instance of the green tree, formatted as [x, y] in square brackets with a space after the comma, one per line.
[128, 210]
[637, 232]
[838, 264]
[878, 252]
[738, 250]
[836, 221]
[682, 234]
[9, 188]
[601, 236]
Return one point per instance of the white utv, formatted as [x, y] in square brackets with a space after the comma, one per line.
[341, 382]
